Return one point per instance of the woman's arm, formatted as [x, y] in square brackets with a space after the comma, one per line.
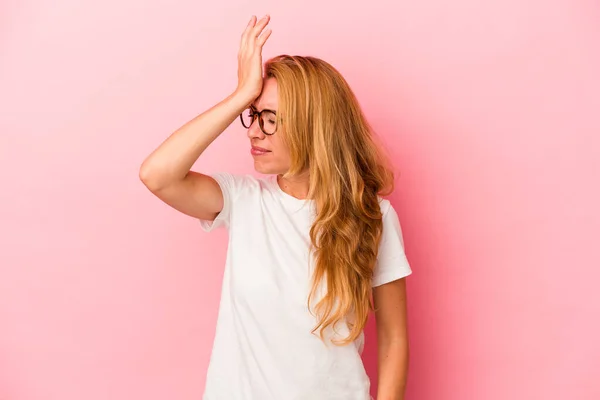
[166, 171]
[392, 337]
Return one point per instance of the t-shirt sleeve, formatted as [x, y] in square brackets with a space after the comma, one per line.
[230, 186]
[392, 263]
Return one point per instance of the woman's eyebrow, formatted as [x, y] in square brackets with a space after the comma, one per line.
[267, 109]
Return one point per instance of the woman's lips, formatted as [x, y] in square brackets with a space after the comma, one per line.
[257, 151]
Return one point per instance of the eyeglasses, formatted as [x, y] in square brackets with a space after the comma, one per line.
[267, 119]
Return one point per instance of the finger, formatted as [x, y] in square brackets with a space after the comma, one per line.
[260, 25]
[247, 31]
[263, 38]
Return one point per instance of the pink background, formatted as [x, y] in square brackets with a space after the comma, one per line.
[490, 109]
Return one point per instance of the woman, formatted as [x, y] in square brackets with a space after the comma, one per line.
[309, 245]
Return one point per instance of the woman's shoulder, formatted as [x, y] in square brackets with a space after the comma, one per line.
[239, 177]
[384, 205]
[241, 183]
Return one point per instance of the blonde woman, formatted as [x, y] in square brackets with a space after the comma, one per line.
[312, 245]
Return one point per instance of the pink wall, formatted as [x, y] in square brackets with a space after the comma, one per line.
[490, 110]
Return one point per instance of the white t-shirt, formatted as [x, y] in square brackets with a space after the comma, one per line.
[263, 348]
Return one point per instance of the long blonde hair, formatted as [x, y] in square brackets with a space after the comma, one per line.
[328, 136]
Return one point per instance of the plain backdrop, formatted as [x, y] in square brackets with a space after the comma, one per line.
[490, 111]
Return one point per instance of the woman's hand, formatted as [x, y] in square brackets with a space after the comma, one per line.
[250, 78]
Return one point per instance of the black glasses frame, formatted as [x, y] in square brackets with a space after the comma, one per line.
[259, 114]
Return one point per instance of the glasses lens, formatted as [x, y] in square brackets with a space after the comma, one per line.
[269, 122]
[247, 117]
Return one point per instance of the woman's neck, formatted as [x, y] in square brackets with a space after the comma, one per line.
[296, 186]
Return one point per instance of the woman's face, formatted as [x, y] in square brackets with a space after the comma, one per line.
[271, 155]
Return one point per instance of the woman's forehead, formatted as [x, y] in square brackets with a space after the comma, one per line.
[268, 96]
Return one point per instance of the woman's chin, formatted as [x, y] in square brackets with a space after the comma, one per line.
[262, 169]
[266, 169]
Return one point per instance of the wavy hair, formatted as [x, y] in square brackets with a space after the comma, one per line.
[328, 135]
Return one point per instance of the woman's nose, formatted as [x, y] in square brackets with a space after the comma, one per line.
[254, 130]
